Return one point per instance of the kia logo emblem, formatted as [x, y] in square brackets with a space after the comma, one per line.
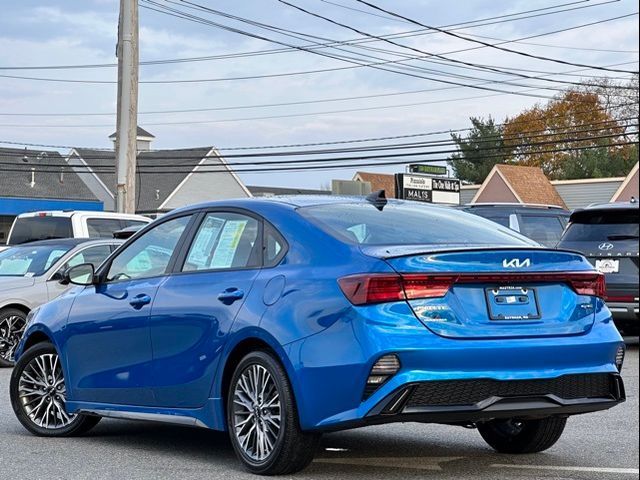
[516, 263]
[605, 246]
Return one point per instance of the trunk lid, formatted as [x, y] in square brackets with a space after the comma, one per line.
[501, 293]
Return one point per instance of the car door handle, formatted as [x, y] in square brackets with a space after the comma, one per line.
[230, 295]
[140, 301]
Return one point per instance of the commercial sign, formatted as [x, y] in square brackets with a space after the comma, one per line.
[427, 169]
[423, 188]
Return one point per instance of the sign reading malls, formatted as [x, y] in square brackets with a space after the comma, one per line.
[423, 188]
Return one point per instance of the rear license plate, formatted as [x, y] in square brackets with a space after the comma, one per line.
[607, 265]
[512, 303]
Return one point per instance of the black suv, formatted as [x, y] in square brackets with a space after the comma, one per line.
[541, 223]
[607, 234]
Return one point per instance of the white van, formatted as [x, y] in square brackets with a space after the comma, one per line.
[29, 227]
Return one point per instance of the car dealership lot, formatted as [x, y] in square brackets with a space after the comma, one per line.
[595, 446]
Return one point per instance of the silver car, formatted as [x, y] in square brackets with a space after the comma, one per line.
[33, 274]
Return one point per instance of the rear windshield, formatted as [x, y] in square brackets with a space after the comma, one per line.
[25, 261]
[603, 226]
[544, 229]
[408, 224]
[29, 229]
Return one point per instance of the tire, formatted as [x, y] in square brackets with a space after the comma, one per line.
[291, 449]
[12, 323]
[40, 405]
[522, 436]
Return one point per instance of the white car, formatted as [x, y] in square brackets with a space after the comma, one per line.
[33, 226]
[31, 275]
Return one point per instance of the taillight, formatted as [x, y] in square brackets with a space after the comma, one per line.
[381, 287]
[593, 285]
[378, 288]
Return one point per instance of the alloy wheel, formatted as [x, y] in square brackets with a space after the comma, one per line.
[11, 330]
[257, 412]
[42, 392]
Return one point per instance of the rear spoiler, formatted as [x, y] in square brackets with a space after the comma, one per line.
[397, 251]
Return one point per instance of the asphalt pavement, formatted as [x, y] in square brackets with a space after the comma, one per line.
[601, 445]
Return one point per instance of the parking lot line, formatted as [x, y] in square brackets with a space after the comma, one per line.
[623, 471]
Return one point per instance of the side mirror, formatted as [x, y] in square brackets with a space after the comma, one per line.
[59, 277]
[82, 274]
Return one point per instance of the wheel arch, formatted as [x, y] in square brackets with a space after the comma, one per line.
[250, 341]
[18, 306]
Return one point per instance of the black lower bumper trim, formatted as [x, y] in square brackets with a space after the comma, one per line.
[399, 406]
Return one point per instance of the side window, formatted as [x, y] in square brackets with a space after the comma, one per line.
[94, 255]
[150, 254]
[224, 241]
[133, 223]
[274, 245]
[54, 256]
[501, 219]
[103, 227]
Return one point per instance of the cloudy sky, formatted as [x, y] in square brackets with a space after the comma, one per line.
[74, 32]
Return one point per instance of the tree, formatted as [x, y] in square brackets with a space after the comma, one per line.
[620, 98]
[479, 151]
[547, 136]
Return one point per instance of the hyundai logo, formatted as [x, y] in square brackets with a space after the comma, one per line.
[605, 246]
[516, 263]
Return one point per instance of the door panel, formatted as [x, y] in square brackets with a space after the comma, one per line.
[109, 344]
[189, 325]
[108, 348]
[195, 309]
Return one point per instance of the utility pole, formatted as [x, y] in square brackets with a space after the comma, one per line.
[127, 119]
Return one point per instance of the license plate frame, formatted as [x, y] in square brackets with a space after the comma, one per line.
[607, 265]
[512, 303]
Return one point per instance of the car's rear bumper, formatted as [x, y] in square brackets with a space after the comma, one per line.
[330, 388]
[624, 310]
[484, 399]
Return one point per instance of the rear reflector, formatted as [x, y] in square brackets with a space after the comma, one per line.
[621, 298]
[381, 287]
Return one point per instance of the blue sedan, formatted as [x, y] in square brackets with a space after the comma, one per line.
[279, 319]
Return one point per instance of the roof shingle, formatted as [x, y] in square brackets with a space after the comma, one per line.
[531, 185]
[16, 174]
[153, 187]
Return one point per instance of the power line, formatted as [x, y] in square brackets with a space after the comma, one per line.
[387, 17]
[357, 65]
[341, 166]
[335, 142]
[427, 54]
[265, 105]
[285, 50]
[504, 49]
[409, 146]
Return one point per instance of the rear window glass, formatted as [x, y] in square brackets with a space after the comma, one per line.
[29, 229]
[544, 229]
[408, 224]
[103, 227]
[601, 226]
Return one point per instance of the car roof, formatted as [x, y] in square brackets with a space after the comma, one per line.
[291, 201]
[616, 206]
[538, 206]
[93, 213]
[68, 242]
